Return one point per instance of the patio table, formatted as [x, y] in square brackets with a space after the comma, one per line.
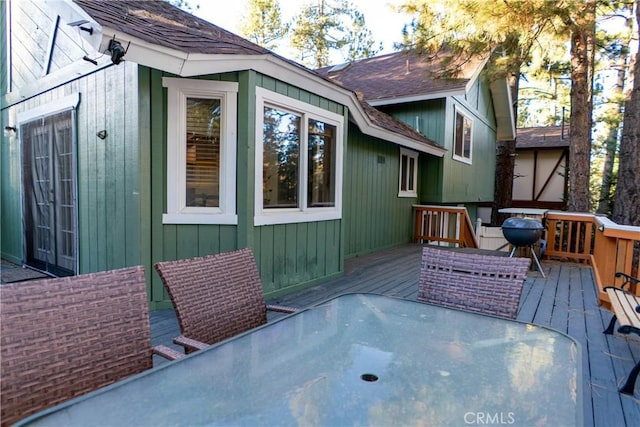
[358, 359]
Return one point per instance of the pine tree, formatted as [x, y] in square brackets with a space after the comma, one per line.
[326, 26]
[264, 25]
[627, 200]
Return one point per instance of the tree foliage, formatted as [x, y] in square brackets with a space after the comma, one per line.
[185, 5]
[520, 33]
[510, 32]
[611, 65]
[627, 199]
[263, 25]
[470, 28]
[323, 26]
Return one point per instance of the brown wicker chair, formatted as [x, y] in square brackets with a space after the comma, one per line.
[60, 338]
[215, 297]
[479, 283]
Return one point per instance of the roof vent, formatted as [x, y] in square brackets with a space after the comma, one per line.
[339, 67]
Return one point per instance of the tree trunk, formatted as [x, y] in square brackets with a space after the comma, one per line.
[605, 204]
[627, 201]
[582, 39]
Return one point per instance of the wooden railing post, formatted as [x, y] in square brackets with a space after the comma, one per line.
[443, 224]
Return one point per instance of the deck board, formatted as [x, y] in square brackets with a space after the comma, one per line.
[566, 300]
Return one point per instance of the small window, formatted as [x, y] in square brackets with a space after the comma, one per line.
[463, 138]
[408, 173]
[298, 165]
[201, 151]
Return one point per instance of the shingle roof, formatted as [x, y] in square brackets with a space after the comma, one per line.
[160, 23]
[543, 137]
[399, 75]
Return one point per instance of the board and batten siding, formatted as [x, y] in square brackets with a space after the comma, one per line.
[446, 180]
[107, 177]
[289, 256]
[375, 217]
[160, 241]
[294, 256]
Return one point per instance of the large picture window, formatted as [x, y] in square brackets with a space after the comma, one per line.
[463, 138]
[201, 151]
[299, 162]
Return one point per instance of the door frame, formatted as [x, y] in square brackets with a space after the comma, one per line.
[64, 104]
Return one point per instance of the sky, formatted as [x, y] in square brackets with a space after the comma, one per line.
[385, 25]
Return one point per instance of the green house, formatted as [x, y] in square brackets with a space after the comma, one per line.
[465, 114]
[135, 132]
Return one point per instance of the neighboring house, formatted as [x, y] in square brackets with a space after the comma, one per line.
[540, 178]
[465, 115]
[135, 132]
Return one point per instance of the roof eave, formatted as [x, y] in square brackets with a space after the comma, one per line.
[459, 91]
[503, 107]
[193, 64]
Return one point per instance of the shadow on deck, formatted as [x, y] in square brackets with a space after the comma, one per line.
[565, 300]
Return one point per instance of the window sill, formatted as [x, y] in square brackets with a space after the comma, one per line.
[214, 219]
[273, 218]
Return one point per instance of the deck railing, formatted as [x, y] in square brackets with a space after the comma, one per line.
[447, 225]
[576, 237]
[570, 236]
[607, 246]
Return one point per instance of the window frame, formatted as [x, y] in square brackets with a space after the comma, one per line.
[178, 90]
[465, 117]
[410, 155]
[303, 213]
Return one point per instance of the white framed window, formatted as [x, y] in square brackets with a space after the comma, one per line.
[201, 151]
[407, 186]
[298, 161]
[463, 137]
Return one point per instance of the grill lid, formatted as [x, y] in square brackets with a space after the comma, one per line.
[522, 231]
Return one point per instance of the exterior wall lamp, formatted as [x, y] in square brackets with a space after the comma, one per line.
[8, 130]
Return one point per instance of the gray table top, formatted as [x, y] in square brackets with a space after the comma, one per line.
[359, 359]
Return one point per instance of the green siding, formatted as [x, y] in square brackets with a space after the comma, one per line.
[429, 116]
[374, 216]
[108, 216]
[10, 201]
[4, 54]
[168, 241]
[463, 182]
[446, 180]
[291, 256]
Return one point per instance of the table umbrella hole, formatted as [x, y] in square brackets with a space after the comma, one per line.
[370, 378]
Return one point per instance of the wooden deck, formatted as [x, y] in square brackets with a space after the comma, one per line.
[565, 301]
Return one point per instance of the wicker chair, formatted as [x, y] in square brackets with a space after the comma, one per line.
[215, 297]
[60, 338]
[479, 283]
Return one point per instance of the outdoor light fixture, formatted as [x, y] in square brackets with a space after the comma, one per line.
[8, 130]
[116, 50]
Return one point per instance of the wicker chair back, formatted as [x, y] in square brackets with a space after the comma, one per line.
[480, 283]
[60, 338]
[216, 296]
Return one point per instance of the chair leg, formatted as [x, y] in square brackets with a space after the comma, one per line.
[609, 330]
[630, 384]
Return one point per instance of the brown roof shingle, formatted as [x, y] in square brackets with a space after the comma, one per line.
[160, 23]
[399, 75]
[543, 137]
